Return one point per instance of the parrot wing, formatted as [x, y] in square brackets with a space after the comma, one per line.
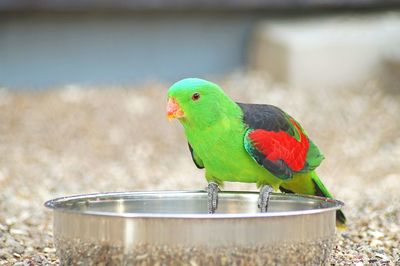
[197, 161]
[277, 142]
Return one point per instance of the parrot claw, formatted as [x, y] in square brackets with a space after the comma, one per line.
[263, 198]
[212, 201]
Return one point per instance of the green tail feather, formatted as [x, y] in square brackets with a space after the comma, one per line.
[320, 190]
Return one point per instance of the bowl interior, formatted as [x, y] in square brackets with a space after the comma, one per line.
[187, 203]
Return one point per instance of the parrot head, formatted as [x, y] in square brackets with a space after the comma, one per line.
[195, 101]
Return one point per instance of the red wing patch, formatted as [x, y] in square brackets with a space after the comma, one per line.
[282, 146]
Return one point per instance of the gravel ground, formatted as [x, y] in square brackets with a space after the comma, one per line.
[74, 140]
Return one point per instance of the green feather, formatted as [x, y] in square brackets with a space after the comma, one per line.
[293, 131]
[313, 159]
[321, 190]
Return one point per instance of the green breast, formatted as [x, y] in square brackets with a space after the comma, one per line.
[221, 149]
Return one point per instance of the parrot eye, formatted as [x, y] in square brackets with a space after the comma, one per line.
[195, 96]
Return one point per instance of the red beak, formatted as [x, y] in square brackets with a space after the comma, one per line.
[173, 109]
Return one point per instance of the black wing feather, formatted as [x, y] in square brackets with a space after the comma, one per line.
[194, 160]
[264, 116]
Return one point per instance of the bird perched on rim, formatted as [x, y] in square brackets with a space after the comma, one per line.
[252, 143]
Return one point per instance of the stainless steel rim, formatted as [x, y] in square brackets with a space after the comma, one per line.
[59, 204]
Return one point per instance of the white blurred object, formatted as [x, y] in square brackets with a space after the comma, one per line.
[326, 52]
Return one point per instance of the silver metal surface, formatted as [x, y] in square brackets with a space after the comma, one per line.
[177, 218]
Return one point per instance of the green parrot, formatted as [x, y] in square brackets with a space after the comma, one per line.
[252, 143]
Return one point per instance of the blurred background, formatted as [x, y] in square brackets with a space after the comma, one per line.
[307, 43]
[83, 92]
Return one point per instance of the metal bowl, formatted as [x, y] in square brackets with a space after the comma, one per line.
[173, 228]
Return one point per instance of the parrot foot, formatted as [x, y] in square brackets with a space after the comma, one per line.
[263, 198]
[212, 201]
